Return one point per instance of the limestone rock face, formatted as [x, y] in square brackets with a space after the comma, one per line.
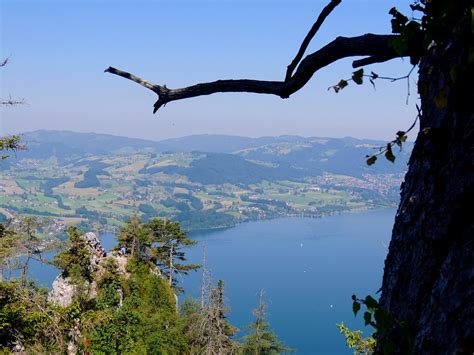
[63, 289]
[62, 292]
[95, 248]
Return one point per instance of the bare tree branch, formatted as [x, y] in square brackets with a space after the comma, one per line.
[315, 28]
[9, 101]
[12, 102]
[371, 45]
[147, 84]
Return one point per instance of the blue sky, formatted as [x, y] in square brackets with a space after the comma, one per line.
[59, 49]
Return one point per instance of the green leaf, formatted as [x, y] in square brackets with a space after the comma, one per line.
[413, 36]
[371, 160]
[367, 318]
[389, 154]
[355, 307]
[371, 302]
[357, 76]
[340, 85]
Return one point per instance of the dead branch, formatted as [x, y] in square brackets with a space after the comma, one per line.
[12, 102]
[315, 28]
[372, 45]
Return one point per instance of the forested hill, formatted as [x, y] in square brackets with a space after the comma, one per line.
[278, 157]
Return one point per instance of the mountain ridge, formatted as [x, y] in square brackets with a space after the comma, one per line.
[189, 143]
[290, 156]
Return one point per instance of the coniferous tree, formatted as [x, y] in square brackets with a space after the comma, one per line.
[135, 238]
[20, 245]
[262, 341]
[29, 244]
[75, 260]
[8, 247]
[210, 331]
[167, 241]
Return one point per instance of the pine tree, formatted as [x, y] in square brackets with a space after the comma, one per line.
[135, 238]
[167, 240]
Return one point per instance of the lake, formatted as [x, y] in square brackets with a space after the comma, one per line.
[308, 268]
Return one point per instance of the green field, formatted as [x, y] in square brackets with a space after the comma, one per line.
[121, 186]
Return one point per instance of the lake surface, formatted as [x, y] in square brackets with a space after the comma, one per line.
[308, 268]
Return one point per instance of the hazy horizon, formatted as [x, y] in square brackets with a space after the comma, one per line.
[58, 52]
[203, 134]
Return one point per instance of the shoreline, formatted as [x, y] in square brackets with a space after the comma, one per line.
[194, 232]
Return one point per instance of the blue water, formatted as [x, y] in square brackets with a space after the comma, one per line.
[308, 268]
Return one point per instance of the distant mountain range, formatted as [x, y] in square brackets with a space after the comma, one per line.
[226, 158]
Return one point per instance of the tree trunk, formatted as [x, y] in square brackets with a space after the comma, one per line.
[24, 272]
[429, 271]
[170, 277]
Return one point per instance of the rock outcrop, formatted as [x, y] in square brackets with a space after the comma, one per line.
[63, 289]
[62, 292]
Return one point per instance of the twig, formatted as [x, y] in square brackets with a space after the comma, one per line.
[11, 102]
[392, 79]
[373, 76]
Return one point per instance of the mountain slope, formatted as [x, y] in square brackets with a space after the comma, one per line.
[227, 158]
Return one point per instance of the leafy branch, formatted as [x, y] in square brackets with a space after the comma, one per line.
[11, 144]
[409, 42]
[356, 341]
[358, 78]
[383, 323]
[387, 150]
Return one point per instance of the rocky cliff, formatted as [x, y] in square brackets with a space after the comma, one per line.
[64, 289]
